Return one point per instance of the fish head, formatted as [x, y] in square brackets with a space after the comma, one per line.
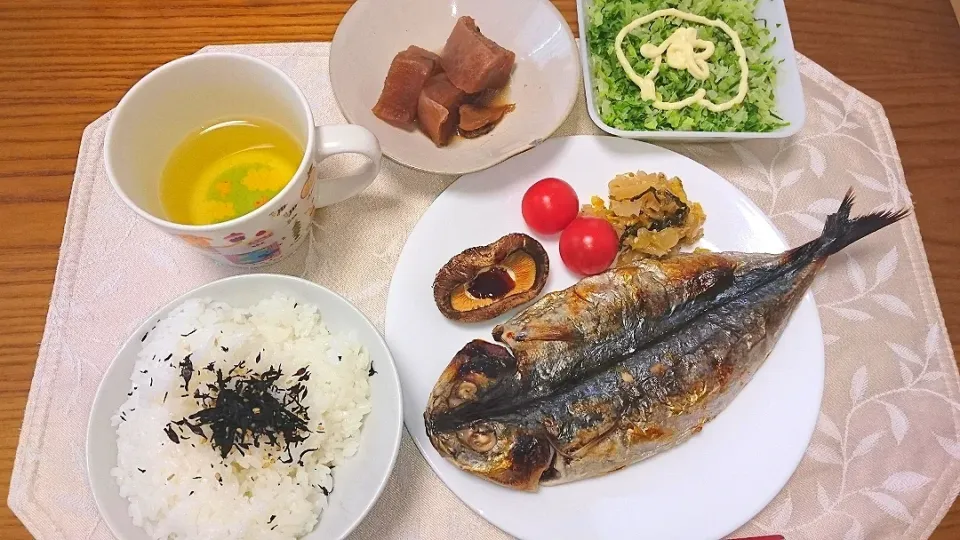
[481, 373]
[503, 452]
[481, 378]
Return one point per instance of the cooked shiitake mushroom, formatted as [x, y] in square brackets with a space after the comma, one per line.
[484, 282]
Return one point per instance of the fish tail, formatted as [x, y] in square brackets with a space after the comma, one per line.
[840, 230]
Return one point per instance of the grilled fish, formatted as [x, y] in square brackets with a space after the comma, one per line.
[623, 365]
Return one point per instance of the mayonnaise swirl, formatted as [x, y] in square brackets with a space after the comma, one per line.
[683, 51]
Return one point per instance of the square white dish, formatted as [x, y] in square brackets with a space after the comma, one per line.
[788, 94]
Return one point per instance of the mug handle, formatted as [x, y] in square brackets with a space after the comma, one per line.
[343, 139]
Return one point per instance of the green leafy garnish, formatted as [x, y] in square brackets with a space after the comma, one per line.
[618, 99]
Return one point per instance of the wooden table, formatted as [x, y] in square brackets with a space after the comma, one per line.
[63, 63]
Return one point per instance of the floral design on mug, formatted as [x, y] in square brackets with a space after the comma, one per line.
[201, 242]
[278, 211]
[235, 238]
[297, 229]
[261, 179]
[256, 256]
[311, 180]
[260, 238]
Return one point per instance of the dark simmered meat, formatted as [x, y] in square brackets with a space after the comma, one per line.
[428, 90]
[401, 89]
[474, 62]
[437, 110]
[477, 120]
[430, 55]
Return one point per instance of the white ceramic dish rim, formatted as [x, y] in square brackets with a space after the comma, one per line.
[789, 63]
[196, 293]
[493, 160]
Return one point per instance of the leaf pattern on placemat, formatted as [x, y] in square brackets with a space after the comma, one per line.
[883, 336]
[885, 455]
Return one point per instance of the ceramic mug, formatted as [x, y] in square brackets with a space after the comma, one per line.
[177, 99]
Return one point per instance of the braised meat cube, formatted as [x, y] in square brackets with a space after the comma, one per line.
[408, 72]
[438, 109]
[473, 61]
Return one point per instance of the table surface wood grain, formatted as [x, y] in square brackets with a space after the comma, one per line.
[63, 63]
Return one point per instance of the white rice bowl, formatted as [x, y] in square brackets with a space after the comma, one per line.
[186, 490]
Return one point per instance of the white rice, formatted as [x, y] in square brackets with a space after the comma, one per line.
[186, 490]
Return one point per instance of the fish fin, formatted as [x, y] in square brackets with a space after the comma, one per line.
[536, 332]
[840, 230]
[548, 333]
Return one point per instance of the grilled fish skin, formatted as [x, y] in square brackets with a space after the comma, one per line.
[641, 398]
[573, 332]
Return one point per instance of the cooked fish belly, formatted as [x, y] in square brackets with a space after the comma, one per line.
[633, 375]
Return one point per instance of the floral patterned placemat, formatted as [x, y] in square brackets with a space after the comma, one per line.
[884, 461]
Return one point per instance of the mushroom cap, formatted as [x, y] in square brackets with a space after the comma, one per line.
[455, 277]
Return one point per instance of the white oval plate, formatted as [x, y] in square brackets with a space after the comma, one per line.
[358, 482]
[703, 489]
[544, 84]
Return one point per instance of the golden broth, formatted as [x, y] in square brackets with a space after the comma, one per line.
[227, 170]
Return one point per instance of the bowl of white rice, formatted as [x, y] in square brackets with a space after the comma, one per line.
[255, 407]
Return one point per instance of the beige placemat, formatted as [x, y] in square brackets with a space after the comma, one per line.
[884, 461]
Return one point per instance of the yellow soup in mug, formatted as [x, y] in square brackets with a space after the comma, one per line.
[226, 170]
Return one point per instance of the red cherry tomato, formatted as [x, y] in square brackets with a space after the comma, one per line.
[550, 205]
[589, 245]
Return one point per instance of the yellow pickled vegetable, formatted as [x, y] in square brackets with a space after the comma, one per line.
[650, 213]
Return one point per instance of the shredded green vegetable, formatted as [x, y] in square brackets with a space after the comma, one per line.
[618, 99]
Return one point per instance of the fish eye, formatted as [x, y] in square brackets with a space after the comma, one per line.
[465, 391]
[478, 438]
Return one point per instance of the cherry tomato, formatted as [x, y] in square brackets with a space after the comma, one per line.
[550, 205]
[589, 245]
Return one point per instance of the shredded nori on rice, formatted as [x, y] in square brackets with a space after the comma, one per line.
[171, 434]
[186, 371]
[305, 452]
[246, 409]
